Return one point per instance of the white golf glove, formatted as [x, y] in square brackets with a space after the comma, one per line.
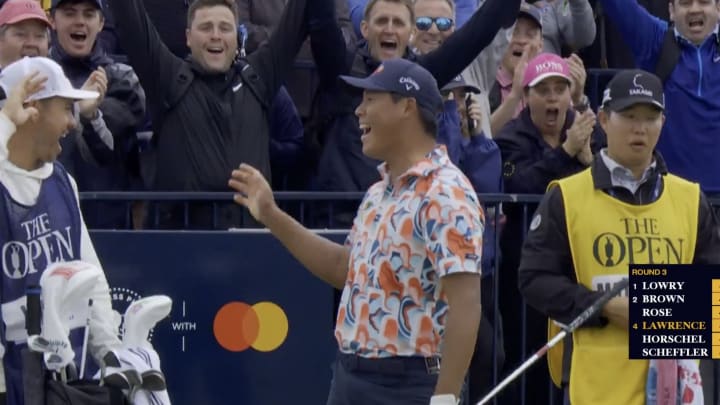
[444, 399]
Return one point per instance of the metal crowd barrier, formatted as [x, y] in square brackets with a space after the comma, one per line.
[305, 205]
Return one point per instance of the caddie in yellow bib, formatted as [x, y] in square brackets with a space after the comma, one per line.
[605, 236]
[590, 226]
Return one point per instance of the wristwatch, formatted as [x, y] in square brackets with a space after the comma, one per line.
[583, 104]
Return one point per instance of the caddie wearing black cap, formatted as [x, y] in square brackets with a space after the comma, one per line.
[410, 267]
[625, 209]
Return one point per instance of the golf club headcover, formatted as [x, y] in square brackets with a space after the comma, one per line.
[135, 367]
[66, 290]
[444, 399]
[141, 316]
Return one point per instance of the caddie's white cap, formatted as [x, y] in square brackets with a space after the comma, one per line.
[57, 84]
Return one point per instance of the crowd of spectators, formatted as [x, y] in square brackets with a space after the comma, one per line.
[193, 89]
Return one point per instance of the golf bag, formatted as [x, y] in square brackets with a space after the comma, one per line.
[41, 388]
[130, 374]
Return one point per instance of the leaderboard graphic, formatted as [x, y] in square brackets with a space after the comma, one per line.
[674, 312]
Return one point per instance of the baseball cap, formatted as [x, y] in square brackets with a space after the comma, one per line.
[57, 84]
[633, 86]
[531, 12]
[96, 3]
[15, 11]
[402, 77]
[459, 83]
[543, 66]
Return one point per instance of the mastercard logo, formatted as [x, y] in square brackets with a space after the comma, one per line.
[239, 326]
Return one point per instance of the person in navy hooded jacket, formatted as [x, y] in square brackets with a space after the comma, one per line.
[460, 129]
[688, 141]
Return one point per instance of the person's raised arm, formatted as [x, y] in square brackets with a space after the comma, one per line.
[273, 61]
[578, 27]
[641, 31]
[330, 48]
[153, 62]
[463, 46]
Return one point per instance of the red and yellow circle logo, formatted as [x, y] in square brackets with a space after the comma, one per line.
[239, 326]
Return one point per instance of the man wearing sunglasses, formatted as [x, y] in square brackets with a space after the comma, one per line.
[386, 28]
[463, 10]
[434, 22]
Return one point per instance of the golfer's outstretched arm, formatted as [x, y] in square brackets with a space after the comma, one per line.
[325, 259]
[546, 275]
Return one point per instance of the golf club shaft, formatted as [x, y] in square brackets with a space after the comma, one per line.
[579, 320]
[529, 362]
[83, 357]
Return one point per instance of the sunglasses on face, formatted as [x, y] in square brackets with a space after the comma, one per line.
[442, 23]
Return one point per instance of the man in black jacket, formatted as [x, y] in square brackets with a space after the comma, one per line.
[100, 152]
[209, 112]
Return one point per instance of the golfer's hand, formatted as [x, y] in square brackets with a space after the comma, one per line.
[253, 191]
[15, 108]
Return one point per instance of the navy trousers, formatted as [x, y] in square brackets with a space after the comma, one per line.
[396, 381]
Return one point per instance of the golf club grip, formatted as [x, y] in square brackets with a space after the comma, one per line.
[33, 316]
[597, 305]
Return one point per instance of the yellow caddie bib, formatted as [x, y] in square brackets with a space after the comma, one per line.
[606, 235]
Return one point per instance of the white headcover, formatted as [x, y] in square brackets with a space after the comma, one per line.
[66, 290]
[141, 316]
